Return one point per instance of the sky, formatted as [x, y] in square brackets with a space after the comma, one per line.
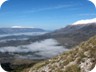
[45, 14]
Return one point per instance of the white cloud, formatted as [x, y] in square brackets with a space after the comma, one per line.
[16, 27]
[46, 48]
[20, 27]
[86, 21]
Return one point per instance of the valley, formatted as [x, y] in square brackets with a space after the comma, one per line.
[30, 48]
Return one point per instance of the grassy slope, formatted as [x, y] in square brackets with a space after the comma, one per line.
[71, 61]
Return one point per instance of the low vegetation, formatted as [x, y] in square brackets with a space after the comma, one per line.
[79, 59]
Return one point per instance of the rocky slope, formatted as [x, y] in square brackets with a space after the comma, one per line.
[80, 59]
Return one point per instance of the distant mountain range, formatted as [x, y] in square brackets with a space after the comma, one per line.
[76, 27]
[72, 35]
[19, 30]
[68, 36]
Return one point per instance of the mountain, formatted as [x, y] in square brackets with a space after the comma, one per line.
[72, 35]
[74, 27]
[2, 32]
[19, 30]
[69, 36]
[80, 59]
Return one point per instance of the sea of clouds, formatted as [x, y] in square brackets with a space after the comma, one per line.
[46, 48]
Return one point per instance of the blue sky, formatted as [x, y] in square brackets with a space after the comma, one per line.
[46, 14]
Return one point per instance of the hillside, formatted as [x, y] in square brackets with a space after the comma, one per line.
[72, 35]
[80, 59]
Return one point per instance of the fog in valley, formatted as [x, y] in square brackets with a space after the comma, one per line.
[39, 49]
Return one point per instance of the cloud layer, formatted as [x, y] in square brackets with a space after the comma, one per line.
[86, 21]
[46, 48]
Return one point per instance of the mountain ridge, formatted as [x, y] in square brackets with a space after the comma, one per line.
[72, 35]
[20, 30]
[68, 36]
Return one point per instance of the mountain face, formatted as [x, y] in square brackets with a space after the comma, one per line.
[72, 35]
[80, 59]
[19, 30]
[71, 28]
